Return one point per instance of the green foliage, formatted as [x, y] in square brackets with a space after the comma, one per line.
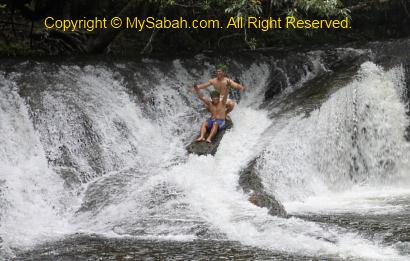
[17, 49]
[191, 39]
[324, 8]
[316, 9]
[206, 5]
[252, 43]
[244, 8]
[3, 9]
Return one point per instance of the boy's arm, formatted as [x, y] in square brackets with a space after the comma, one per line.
[204, 85]
[235, 85]
[201, 96]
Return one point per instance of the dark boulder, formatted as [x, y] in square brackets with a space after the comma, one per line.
[204, 148]
[263, 200]
[251, 184]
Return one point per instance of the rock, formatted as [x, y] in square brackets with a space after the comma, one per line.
[204, 148]
[263, 200]
[249, 180]
[251, 183]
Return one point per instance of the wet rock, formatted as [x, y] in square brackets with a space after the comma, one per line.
[251, 183]
[105, 191]
[296, 70]
[204, 148]
[335, 59]
[276, 84]
[263, 200]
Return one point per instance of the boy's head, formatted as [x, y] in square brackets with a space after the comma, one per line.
[220, 71]
[215, 97]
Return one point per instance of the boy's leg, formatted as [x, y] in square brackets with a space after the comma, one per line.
[230, 104]
[214, 130]
[204, 126]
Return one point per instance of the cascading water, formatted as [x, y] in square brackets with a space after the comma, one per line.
[32, 195]
[356, 139]
[100, 149]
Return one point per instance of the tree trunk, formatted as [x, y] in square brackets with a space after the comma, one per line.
[134, 8]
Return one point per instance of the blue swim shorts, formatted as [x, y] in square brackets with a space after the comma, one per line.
[221, 124]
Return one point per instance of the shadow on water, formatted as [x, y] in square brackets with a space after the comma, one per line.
[92, 247]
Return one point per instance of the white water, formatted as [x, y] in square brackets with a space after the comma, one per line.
[149, 188]
[309, 165]
[32, 195]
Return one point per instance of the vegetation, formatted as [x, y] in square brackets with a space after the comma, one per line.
[21, 22]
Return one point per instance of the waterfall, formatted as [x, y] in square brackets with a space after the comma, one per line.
[100, 149]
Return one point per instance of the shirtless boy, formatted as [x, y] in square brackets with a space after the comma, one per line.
[221, 84]
[217, 108]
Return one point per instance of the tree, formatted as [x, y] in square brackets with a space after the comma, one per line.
[85, 42]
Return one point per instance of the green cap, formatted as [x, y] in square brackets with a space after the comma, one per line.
[214, 94]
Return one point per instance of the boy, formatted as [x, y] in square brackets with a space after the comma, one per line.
[222, 83]
[217, 108]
